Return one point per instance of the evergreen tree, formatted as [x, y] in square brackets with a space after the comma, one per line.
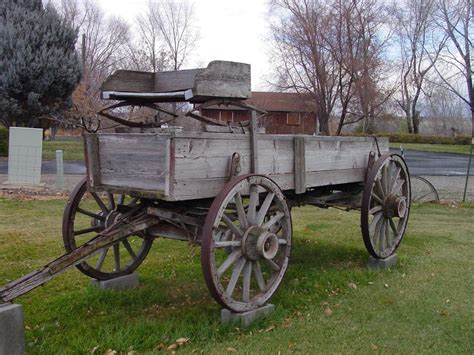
[39, 67]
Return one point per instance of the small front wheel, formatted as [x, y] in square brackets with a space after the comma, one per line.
[246, 243]
[89, 213]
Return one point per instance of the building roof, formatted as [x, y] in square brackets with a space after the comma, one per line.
[276, 102]
[282, 101]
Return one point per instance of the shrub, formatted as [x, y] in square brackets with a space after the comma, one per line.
[3, 142]
[416, 138]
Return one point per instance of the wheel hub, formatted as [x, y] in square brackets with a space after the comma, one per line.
[258, 243]
[395, 206]
[112, 218]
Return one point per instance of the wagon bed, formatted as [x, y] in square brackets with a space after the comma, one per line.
[186, 165]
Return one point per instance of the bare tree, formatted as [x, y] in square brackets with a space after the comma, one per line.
[420, 47]
[172, 22]
[103, 42]
[359, 47]
[456, 19]
[303, 61]
[148, 51]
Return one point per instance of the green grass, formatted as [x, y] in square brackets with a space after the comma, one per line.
[72, 150]
[422, 306]
[438, 148]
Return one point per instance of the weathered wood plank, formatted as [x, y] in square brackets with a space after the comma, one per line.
[254, 143]
[300, 165]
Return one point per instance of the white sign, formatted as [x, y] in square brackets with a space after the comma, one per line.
[25, 155]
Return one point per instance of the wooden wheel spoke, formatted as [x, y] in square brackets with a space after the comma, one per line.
[228, 243]
[397, 187]
[246, 281]
[232, 258]
[231, 225]
[264, 208]
[99, 202]
[375, 209]
[129, 248]
[396, 177]
[88, 230]
[252, 212]
[241, 211]
[377, 198]
[382, 236]
[111, 201]
[387, 233]
[378, 186]
[274, 219]
[258, 275]
[116, 247]
[378, 226]
[239, 266]
[90, 214]
[101, 259]
[394, 228]
[273, 265]
[376, 220]
[386, 177]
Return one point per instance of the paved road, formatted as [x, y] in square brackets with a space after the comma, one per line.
[436, 164]
[419, 163]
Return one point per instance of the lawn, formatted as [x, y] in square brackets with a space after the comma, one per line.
[438, 148]
[329, 301]
[72, 150]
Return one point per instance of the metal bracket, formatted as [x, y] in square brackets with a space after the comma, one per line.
[370, 164]
[235, 167]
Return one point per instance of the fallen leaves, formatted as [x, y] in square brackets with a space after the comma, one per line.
[269, 329]
[353, 285]
[328, 312]
[178, 343]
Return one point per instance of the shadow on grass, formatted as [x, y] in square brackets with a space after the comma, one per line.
[313, 256]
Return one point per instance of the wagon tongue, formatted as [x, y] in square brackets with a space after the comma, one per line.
[131, 223]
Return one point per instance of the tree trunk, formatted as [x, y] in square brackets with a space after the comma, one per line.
[409, 124]
[324, 125]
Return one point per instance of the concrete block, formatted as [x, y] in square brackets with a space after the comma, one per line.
[12, 336]
[379, 264]
[246, 318]
[120, 283]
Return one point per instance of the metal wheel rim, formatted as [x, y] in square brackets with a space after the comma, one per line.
[115, 251]
[382, 234]
[253, 287]
[418, 196]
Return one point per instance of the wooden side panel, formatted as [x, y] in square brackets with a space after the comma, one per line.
[134, 161]
[202, 162]
[184, 166]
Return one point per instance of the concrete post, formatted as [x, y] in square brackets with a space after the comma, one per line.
[59, 170]
[12, 336]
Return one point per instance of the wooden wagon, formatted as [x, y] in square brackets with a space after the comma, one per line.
[229, 189]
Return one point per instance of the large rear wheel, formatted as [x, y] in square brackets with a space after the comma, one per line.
[246, 243]
[385, 205]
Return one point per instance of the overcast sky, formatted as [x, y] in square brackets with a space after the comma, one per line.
[230, 29]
